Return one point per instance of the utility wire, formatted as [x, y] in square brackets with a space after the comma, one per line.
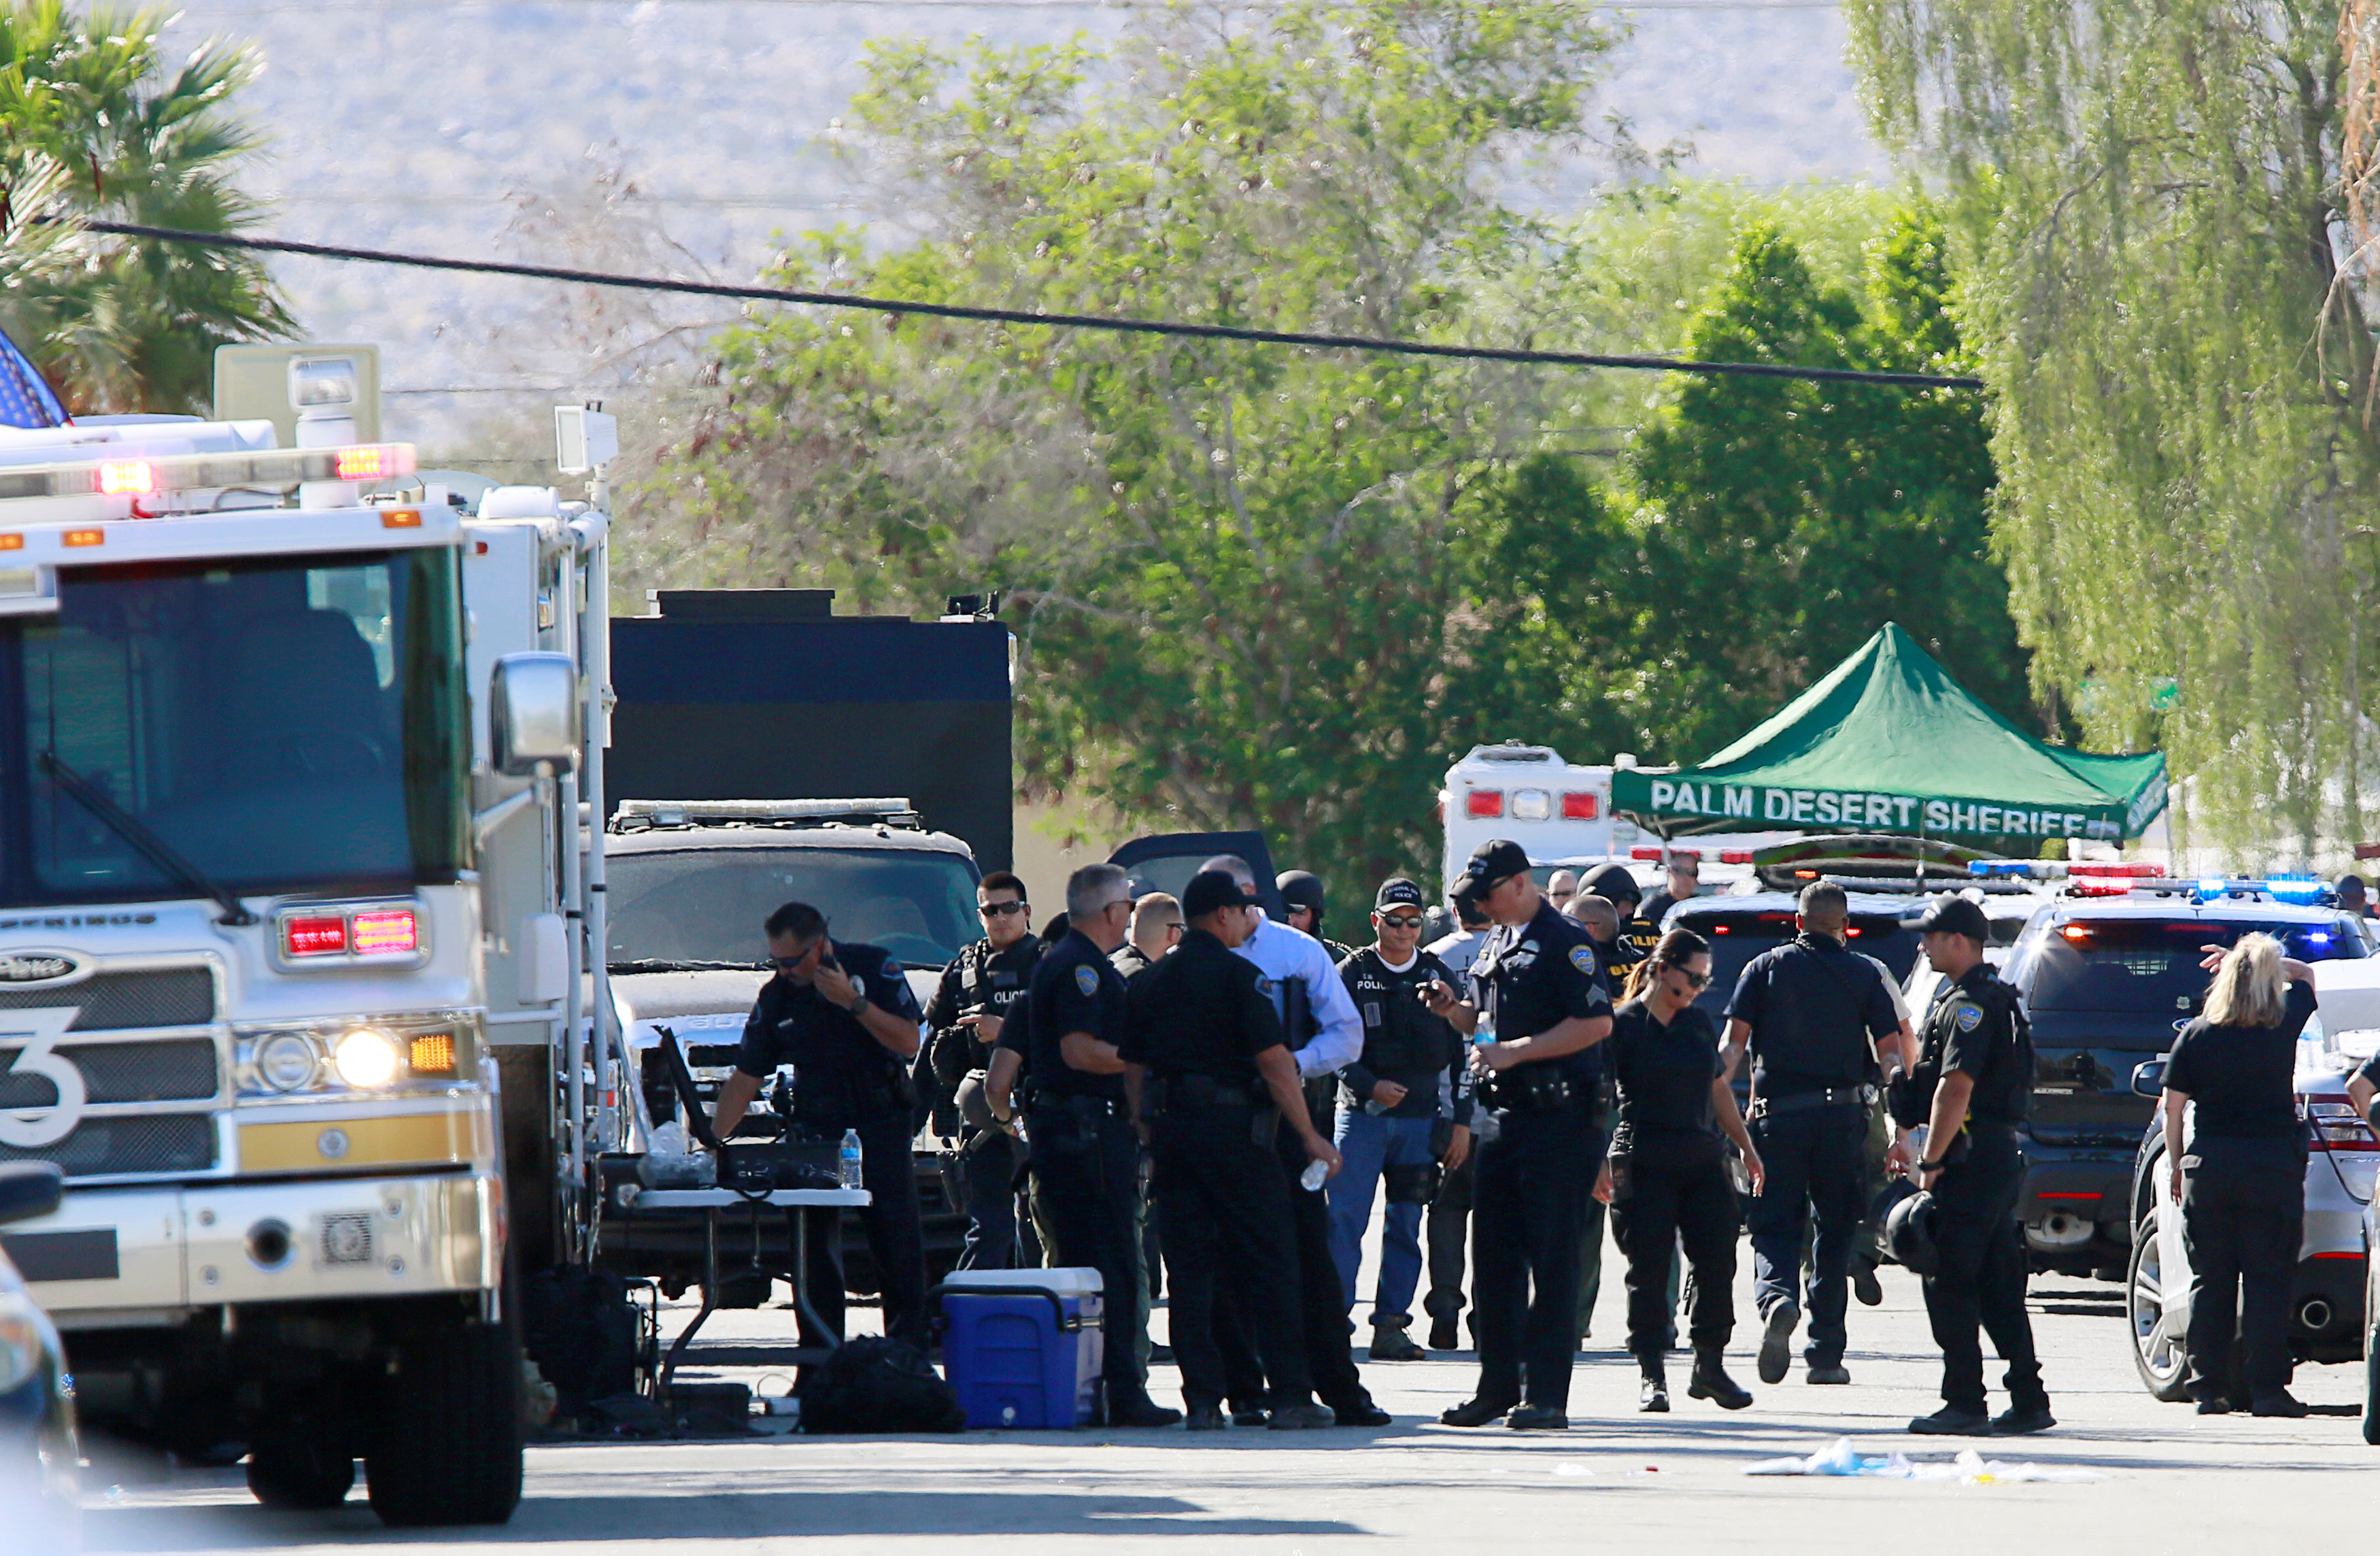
[1019, 316]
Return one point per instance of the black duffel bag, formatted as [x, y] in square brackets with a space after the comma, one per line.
[875, 1384]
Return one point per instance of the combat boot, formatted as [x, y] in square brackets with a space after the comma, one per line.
[1710, 1382]
[1653, 1391]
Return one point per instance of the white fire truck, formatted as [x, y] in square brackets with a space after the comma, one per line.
[296, 892]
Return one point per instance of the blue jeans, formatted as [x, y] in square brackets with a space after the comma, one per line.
[1371, 1146]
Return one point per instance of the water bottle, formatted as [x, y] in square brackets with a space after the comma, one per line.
[848, 1159]
[1311, 1180]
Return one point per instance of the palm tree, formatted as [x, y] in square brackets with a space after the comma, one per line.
[91, 116]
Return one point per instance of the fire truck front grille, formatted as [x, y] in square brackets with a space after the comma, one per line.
[126, 1001]
[168, 1070]
[104, 1147]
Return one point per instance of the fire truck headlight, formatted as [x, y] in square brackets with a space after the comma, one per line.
[286, 1062]
[365, 1057]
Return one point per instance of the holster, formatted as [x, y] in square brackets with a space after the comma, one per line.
[1910, 1098]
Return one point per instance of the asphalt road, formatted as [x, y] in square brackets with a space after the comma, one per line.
[1617, 1481]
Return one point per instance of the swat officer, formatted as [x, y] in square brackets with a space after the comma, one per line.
[1974, 1085]
[1303, 899]
[1391, 1114]
[1615, 884]
[1086, 1151]
[843, 1017]
[1540, 1074]
[979, 989]
[1818, 1019]
[1212, 1082]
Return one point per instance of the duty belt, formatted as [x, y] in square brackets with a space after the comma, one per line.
[1075, 1104]
[1198, 1092]
[1805, 1101]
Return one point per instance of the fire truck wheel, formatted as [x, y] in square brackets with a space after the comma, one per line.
[299, 1471]
[447, 1448]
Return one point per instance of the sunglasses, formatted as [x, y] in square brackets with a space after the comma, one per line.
[1400, 920]
[794, 964]
[1694, 980]
[1001, 909]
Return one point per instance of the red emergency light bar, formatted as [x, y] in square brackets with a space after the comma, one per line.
[1484, 803]
[200, 472]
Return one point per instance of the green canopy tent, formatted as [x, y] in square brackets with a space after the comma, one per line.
[1889, 743]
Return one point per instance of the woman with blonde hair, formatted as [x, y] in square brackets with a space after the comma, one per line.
[2240, 1176]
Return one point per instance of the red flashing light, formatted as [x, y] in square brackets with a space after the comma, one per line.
[2075, 932]
[1484, 803]
[1583, 807]
[357, 464]
[2078, 1195]
[122, 477]
[1735, 856]
[1721, 929]
[387, 933]
[1642, 853]
[2129, 871]
[2339, 1253]
[322, 935]
[2101, 888]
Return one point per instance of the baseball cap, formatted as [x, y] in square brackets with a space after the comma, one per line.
[1397, 892]
[1211, 888]
[1955, 916]
[1492, 861]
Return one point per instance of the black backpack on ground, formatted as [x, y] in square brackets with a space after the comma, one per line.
[874, 1384]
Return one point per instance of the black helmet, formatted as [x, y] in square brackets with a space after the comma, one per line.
[1301, 889]
[1909, 1232]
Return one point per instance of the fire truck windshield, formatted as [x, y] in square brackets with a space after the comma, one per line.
[285, 725]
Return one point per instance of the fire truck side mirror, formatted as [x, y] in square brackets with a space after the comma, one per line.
[533, 715]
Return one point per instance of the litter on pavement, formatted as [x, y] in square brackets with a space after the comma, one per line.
[1969, 1466]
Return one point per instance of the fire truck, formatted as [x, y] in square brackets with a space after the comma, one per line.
[298, 751]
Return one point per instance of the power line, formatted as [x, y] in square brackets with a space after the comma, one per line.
[989, 5]
[1052, 321]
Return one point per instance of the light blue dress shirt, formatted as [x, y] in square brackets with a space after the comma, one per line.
[1281, 954]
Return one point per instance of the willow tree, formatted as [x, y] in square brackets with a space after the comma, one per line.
[2144, 199]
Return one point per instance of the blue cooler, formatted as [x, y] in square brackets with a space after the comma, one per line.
[1022, 1346]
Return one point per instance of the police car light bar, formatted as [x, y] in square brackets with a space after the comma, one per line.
[271, 467]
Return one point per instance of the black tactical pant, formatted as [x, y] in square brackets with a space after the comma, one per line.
[1528, 1205]
[2242, 1221]
[1086, 1164]
[1222, 1209]
[1816, 1162]
[1329, 1359]
[987, 1162]
[1448, 1226]
[1672, 1199]
[896, 1237]
[1980, 1272]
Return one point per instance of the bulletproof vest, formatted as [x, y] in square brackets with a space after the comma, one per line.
[1400, 1037]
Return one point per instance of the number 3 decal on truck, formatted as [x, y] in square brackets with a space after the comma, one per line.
[30, 1128]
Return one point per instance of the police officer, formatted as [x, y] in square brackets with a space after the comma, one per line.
[1615, 960]
[1325, 1035]
[1155, 930]
[1974, 1083]
[979, 989]
[1448, 1225]
[1303, 899]
[1539, 1075]
[1086, 1151]
[1615, 884]
[843, 1017]
[1391, 1114]
[1212, 1082]
[1817, 1020]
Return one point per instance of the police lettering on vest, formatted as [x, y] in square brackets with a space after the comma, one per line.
[1404, 1042]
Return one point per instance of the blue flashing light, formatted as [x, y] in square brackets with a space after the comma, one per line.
[1998, 867]
[2210, 885]
[2317, 936]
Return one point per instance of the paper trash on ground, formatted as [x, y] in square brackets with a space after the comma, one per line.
[1969, 1466]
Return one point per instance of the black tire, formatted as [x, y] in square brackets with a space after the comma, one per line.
[303, 1471]
[447, 1447]
[2156, 1355]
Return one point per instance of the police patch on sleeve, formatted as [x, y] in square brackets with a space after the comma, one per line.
[1087, 978]
[1264, 986]
[1582, 959]
[1970, 1017]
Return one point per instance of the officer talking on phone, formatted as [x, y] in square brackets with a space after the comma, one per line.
[843, 1017]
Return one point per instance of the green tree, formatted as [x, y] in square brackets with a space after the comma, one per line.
[1783, 521]
[2144, 204]
[130, 324]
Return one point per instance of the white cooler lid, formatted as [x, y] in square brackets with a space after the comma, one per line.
[1080, 1282]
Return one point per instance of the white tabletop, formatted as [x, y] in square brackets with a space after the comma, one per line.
[727, 1199]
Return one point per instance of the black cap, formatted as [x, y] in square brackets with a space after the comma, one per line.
[1491, 862]
[1301, 889]
[1211, 888]
[1614, 884]
[1955, 916]
[1397, 892]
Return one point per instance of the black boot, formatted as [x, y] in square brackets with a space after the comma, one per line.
[1653, 1389]
[1710, 1382]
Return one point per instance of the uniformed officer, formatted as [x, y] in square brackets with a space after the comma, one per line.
[1391, 1112]
[979, 988]
[1086, 1151]
[1974, 1082]
[1448, 1225]
[1617, 885]
[1540, 1076]
[1212, 1082]
[1325, 1035]
[1817, 1020]
[1302, 898]
[843, 1017]
[1155, 930]
[1615, 960]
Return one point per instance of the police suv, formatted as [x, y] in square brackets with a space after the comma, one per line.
[690, 883]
